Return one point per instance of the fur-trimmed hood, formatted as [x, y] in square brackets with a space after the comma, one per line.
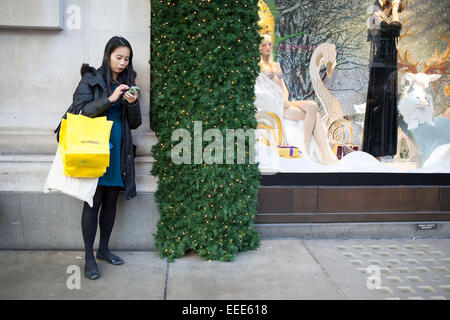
[85, 67]
[93, 76]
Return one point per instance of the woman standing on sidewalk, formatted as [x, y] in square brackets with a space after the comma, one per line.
[103, 92]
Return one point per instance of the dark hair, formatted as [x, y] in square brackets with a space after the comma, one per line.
[127, 76]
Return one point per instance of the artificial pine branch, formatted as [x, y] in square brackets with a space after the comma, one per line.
[204, 64]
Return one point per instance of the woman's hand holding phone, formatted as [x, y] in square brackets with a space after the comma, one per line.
[131, 95]
[118, 92]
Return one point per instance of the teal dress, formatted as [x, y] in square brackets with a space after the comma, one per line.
[112, 176]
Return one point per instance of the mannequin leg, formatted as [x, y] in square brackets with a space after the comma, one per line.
[322, 142]
[310, 108]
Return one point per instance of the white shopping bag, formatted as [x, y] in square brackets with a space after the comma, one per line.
[80, 188]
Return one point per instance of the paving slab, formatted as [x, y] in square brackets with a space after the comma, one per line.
[51, 274]
[392, 269]
[279, 269]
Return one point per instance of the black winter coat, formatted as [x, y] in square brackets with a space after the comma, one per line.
[91, 99]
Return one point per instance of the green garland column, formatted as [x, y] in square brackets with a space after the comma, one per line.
[204, 63]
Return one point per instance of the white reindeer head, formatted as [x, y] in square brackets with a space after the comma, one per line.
[421, 80]
[416, 105]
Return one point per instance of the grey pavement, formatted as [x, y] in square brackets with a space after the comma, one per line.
[281, 269]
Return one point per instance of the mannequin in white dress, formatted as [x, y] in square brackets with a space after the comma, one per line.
[306, 110]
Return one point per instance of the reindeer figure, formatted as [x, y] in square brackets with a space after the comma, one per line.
[426, 132]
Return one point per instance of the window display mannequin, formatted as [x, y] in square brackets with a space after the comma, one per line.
[380, 124]
[296, 110]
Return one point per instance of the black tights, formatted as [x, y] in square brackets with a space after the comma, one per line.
[106, 197]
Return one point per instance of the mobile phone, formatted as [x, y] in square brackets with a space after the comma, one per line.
[132, 90]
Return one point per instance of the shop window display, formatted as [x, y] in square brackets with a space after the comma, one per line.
[378, 72]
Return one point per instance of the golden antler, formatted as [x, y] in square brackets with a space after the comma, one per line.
[406, 63]
[439, 63]
[406, 33]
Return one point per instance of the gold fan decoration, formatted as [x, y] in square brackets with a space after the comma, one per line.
[266, 19]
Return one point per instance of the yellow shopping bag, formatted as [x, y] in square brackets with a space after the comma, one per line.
[84, 145]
